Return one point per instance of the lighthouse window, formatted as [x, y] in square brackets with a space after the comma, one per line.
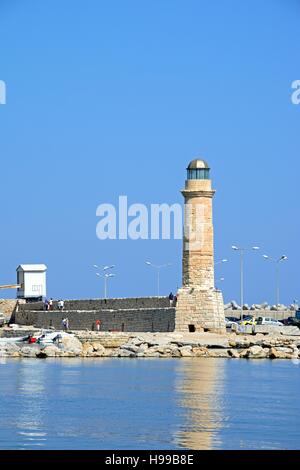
[198, 174]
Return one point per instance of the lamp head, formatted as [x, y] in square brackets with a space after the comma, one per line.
[108, 267]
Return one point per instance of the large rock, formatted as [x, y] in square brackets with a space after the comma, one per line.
[125, 353]
[7, 349]
[99, 350]
[94, 349]
[87, 349]
[234, 305]
[200, 351]
[218, 352]
[71, 345]
[279, 354]
[49, 351]
[142, 348]
[186, 351]
[295, 349]
[257, 352]
[15, 354]
[240, 343]
[108, 352]
[233, 353]
[244, 353]
[285, 350]
[175, 352]
[151, 352]
[29, 351]
[191, 343]
[136, 340]
[130, 347]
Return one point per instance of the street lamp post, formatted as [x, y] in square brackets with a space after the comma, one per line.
[242, 255]
[277, 265]
[158, 268]
[105, 276]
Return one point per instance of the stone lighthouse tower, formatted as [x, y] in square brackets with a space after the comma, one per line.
[200, 305]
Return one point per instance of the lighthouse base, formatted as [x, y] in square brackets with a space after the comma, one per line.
[200, 310]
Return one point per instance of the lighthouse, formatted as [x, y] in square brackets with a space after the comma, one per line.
[200, 305]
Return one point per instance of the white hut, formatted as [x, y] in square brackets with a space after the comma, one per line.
[32, 281]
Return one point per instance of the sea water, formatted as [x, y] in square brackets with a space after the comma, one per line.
[114, 403]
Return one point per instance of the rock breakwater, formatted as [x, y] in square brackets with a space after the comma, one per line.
[170, 345]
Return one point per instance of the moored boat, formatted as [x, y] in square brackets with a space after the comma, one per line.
[18, 339]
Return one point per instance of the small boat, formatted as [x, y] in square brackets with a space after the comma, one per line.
[52, 337]
[48, 338]
[45, 338]
[18, 339]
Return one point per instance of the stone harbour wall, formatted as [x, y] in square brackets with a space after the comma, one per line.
[133, 320]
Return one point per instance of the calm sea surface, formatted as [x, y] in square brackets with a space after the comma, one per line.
[149, 404]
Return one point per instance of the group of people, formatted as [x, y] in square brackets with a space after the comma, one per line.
[48, 304]
[172, 299]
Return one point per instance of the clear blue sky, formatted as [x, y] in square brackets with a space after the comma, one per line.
[116, 97]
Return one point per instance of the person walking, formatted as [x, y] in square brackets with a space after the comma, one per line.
[61, 305]
[98, 323]
[171, 298]
[50, 305]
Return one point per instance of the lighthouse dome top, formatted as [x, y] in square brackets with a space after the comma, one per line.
[198, 169]
[198, 164]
